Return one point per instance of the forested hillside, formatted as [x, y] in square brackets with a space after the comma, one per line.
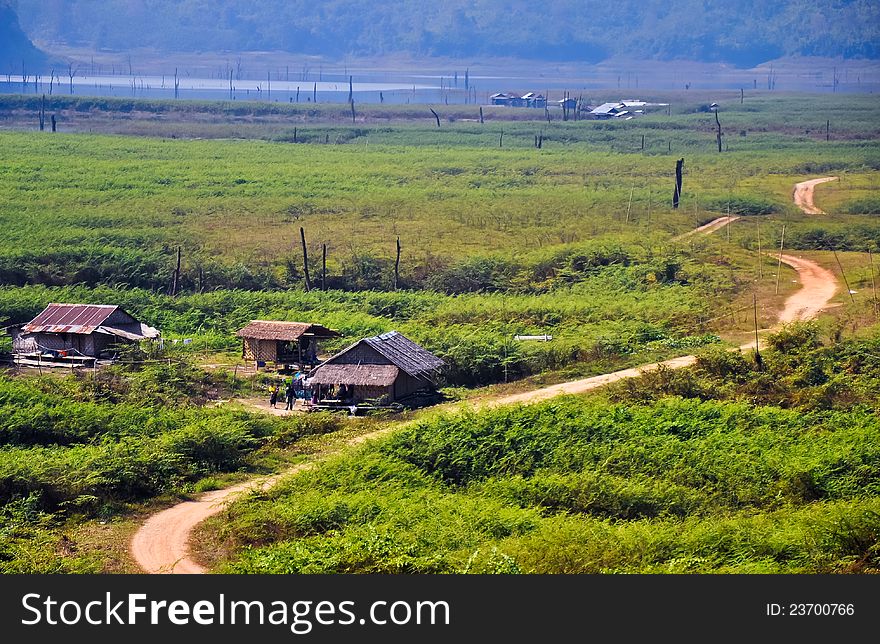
[15, 48]
[743, 32]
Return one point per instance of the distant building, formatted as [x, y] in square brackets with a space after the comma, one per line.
[534, 100]
[500, 98]
[389, 366]
[76, 331]
[567, 103]
[285, 343]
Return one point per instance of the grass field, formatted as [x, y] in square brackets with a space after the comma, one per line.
[697, 473]
[703, 481]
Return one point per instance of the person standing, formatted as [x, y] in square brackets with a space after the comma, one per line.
[290, 396]
[273, 396]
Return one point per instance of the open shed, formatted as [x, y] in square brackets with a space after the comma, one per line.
[289, 343]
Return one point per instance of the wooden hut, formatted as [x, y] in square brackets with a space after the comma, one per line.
[287, 343]
[388, 366]
[76, 331]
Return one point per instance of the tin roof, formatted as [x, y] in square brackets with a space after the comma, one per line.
[274, 330]
[399, 350]
[85, 319]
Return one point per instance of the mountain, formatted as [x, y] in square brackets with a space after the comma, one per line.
[15, 47]
[742, 32]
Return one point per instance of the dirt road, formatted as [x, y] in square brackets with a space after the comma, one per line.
[161, 545]
[803, 195]
[712, 226]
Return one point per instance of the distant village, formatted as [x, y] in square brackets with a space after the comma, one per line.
[623, 109]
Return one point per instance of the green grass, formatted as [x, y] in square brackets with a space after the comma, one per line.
[588, 486]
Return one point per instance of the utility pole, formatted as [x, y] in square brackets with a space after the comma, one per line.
[779, 263]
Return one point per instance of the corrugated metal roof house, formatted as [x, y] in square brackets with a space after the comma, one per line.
[79, 329]
[388, 365]
[283, 342]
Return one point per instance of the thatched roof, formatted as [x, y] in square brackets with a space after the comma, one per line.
[399, 350]
[272, 330]
[375, 375]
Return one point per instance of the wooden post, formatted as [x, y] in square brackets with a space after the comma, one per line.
[779, 262]
[873, 283]
[53, 123]
[843, 275]
[323, 267]
[718, 133]
[757, 344]
[481, 115]
[176, 83]
[742, 95]
[397, 266]
[828, 130]
[676, 195]
[350, 91]
[643, 141]
[501, 139]
[315, 93]
[760, 263]
[436, 116]
[176, 281]
[629, 205]
[352, 110]
[302, 234]
[42, 113]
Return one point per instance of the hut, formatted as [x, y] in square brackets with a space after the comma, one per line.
[287, 343]
[76, 331]
[390, 367]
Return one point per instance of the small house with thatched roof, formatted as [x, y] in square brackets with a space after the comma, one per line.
[78, 331]
[288, 343]
[389, 366]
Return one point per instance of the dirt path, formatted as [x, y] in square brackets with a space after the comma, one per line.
[161, 545]
[803, 195]
[712, 226]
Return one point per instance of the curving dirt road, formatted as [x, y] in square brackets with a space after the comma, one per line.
[803, 195]
[161, 545]
[712, 226]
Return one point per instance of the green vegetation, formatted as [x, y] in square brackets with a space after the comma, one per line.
[88, 447]
[586, 485]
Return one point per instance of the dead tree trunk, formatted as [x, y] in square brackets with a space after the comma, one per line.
[501, 140]
[351, 104]
[436, 116]
[397, 266]
[323, 267]
[481, 115]
[718, 132]
[742, 95]
[176, 83]
[315, 93]
[71, 72]
[53, 122]
[175, 282]
[302, 234]
[51, 80]
[676, 195]
[43, 113]
[828, 130]
[350, 91]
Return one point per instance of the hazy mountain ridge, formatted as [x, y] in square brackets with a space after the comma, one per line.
[742, 32]
[15, 48]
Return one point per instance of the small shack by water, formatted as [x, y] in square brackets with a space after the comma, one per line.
[284, 343]
[388, 367]
[77, 332]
